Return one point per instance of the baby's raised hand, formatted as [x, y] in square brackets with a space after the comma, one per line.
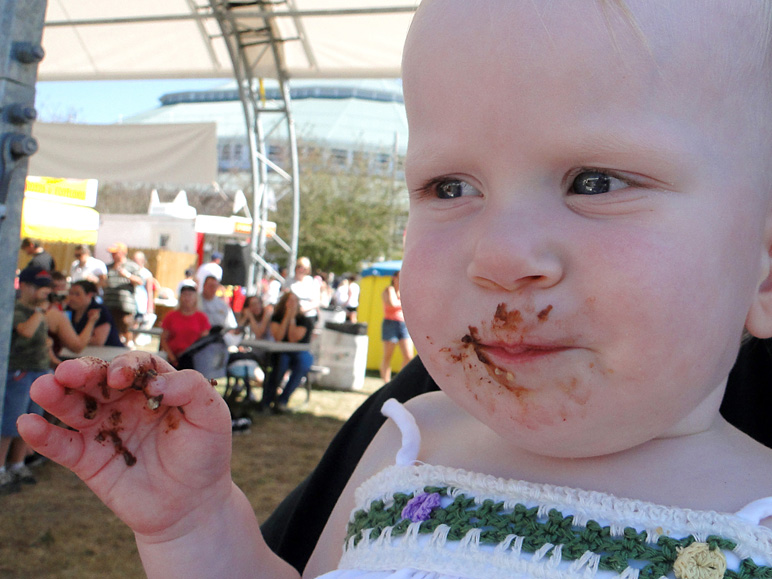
[151, 442]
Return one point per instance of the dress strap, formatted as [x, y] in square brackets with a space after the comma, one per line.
[411, 436]
[756, 511]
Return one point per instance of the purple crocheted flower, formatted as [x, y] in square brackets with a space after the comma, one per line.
[420, 507]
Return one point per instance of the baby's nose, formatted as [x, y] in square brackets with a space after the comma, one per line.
[516, 250]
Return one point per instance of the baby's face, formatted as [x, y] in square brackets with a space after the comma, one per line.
[587, 216]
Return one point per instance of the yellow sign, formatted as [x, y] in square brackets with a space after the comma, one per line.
[81, 192]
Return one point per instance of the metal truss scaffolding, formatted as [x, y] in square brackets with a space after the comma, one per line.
[246, 39]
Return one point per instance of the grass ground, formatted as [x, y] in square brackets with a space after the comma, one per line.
[59, 529]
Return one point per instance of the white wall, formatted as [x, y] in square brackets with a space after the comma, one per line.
[146, 232]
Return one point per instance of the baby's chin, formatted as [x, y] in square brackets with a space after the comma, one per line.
[559, 430]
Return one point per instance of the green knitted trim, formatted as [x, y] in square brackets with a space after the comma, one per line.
[496, 523]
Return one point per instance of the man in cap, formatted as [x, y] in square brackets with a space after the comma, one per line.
[27, 361]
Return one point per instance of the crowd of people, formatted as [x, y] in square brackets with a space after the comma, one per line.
[93, 303]
[57, 313]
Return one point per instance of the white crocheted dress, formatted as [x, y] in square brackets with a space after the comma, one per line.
[432, 522]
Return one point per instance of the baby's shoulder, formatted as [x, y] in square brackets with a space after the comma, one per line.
[748, 462]
[429, 406]
[442, 422]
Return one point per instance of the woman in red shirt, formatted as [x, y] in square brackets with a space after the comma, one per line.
[183, 326]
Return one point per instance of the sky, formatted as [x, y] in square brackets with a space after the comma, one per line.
[107, 102]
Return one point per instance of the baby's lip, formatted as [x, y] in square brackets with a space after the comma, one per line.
[520, 352]
[512, 350]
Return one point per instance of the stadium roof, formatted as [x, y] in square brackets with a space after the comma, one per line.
[341, 113]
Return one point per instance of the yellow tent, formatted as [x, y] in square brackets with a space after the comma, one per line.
[60, 210]
[51, 221]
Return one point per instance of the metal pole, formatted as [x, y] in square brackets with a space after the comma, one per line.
[261, 211]
[246, 94]
[222, 11]
[295, 178]
[21, 29]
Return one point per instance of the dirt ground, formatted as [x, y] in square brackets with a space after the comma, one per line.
[59, 529]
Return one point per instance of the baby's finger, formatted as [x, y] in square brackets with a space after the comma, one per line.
[194, 395]
[86, 374]
[77, 409]
[58, 444]
[135, 369]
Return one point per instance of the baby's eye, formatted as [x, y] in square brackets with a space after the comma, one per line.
[454, 188]
[595, 182]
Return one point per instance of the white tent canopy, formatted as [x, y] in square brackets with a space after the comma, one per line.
[140, 39]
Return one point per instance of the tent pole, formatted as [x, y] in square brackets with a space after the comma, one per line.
[251, 121]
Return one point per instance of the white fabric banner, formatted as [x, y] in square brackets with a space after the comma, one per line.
[178, 154]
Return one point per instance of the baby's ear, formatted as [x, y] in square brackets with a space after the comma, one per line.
[759, 320]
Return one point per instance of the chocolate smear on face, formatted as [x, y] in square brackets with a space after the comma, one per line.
[500, 375]
[503, 319]
[472, 339]
[506, 319]
[544, 314]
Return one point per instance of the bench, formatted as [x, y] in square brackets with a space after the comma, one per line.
[241, 372]
[154, 331]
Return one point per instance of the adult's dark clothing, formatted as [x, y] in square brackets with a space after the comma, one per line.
[293, 529]
[300, 320]
[105, 317]
[43, 260]
[748, 400]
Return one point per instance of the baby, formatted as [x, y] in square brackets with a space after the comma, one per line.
[590, 234]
